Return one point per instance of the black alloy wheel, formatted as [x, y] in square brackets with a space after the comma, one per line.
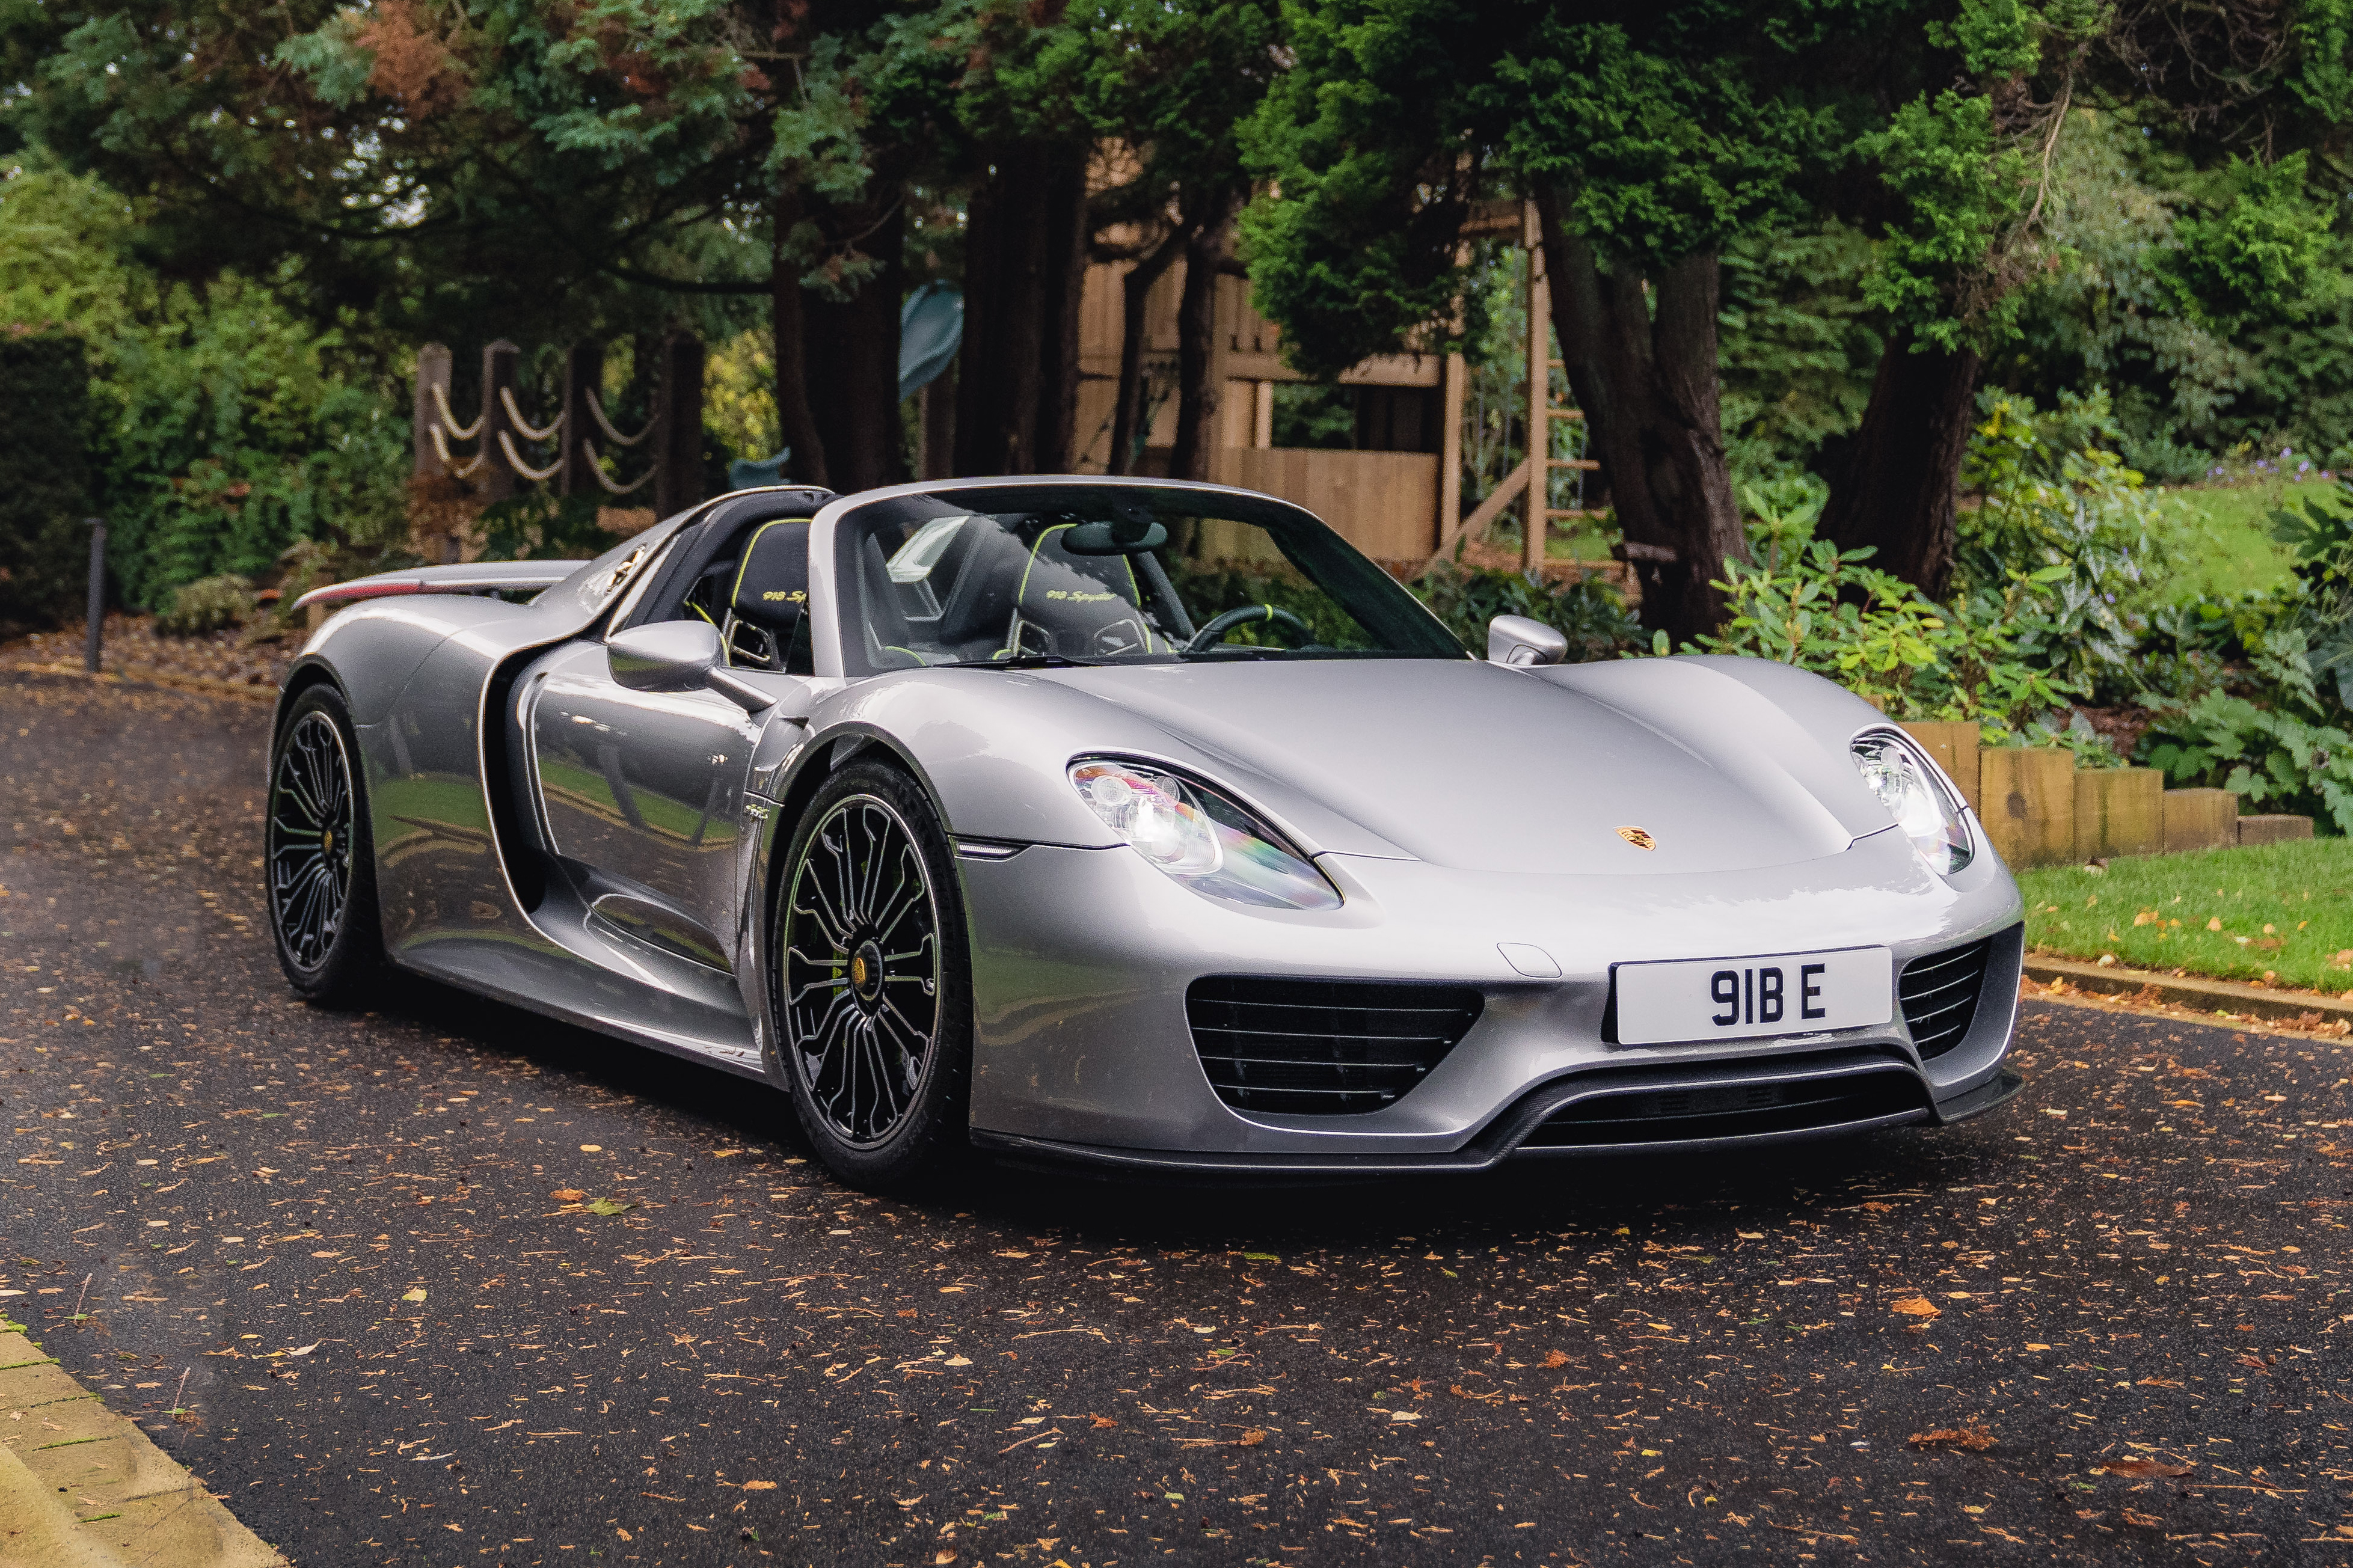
[870, 980]
[320, 874]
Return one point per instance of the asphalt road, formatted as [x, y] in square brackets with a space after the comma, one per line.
[407, 1340]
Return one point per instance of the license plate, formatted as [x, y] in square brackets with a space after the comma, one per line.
[1743, 998]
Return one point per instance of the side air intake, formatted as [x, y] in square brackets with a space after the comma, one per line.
[1323, 1048]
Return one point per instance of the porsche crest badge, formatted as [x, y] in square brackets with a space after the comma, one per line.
[1640, 837]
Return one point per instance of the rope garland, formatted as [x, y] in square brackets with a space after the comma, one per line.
[441, 450]
[598, 409]
[524, 426]
[463, 432]
[596, 467]
[514, 461]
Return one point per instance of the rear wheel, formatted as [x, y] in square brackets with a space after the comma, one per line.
[317, 857]
[872, 983]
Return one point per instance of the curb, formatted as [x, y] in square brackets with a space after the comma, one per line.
[141, 675]
[2189, 991]
[81, 1487]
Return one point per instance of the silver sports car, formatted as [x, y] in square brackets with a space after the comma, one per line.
[1134, 824]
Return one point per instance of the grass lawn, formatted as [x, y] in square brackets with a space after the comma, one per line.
[2285, 909]
[2218, 539]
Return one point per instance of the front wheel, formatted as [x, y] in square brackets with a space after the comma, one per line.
[872, 981]
[317, 856]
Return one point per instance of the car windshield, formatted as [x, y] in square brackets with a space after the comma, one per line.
[1026, 575]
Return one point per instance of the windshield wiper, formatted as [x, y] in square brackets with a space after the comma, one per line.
[1035, 661]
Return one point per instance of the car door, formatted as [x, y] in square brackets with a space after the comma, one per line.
[643, 795]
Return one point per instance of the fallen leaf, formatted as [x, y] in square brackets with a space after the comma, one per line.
[759, 1486]
[567, 1194]
[2215, 924]
[608, 1206]
[1103, 1421]
[1915, 1307]
[2137, 1467]
[1253, 1437]
[1975, 1439]
[1555, 1358]
[415, 1295]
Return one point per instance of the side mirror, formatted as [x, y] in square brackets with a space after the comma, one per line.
[1517, 640]
[669, 656]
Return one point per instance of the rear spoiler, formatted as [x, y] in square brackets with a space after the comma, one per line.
[473, 577]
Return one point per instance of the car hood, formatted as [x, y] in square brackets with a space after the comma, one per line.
[1487, 768]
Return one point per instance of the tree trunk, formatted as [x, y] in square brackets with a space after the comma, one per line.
[853, 361]
[1135, 292]
[1643, 367]
[1199, 389]
[795, 424]
[1061, 283]
[1025, 260]
[1895, 495]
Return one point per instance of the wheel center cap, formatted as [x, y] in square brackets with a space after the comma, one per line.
[327, 842]
[866, 971]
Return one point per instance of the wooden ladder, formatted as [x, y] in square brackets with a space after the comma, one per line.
[1538, 513]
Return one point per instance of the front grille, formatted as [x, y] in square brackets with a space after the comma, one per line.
[1323, 1048]
[1634, 1117]
[1940, 995]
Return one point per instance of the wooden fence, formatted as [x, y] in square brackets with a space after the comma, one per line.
[2041, 809]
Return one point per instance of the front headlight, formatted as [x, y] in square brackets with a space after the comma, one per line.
[1199, 837]
[1905, 783]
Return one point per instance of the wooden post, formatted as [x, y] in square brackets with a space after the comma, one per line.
[2029, 803]
[1533, 529]
[677, 445]
[939, 424]
[495, 479]
[2200, 820]
[1449, 449]
[583, 373]
[432, 371]
[2120, 811]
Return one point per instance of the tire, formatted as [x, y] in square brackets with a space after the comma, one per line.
[870, 975]
[319, 858]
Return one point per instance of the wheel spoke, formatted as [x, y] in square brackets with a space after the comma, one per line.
[858, 967]
[313, 795]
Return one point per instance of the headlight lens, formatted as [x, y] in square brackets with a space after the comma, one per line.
[1906, 784]
[1199, 838]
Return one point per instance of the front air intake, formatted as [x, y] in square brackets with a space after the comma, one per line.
[1939, 994]
[1323, 1048]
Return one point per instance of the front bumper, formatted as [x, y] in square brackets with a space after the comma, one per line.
[1082, 959]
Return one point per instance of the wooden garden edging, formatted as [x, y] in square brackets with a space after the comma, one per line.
[2041, 809]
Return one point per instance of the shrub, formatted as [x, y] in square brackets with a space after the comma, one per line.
[1589, 612]
[44, 479]
[206, 606]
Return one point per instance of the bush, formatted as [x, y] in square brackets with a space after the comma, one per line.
[206, 606]
[44, 479]
[1589, 612]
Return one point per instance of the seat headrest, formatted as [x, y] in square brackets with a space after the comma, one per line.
[772, 580]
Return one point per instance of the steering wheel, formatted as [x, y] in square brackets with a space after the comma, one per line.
[1213, 634]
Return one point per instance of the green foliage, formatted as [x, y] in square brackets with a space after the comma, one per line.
[223, 424]
[2255, 249]
[1587, 612]
[44, 478]
[2273, 757]
[1961, 188]
[206, 606]
[1812, 605]
[2058, 503]
[1797, 345]
[539, 526]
